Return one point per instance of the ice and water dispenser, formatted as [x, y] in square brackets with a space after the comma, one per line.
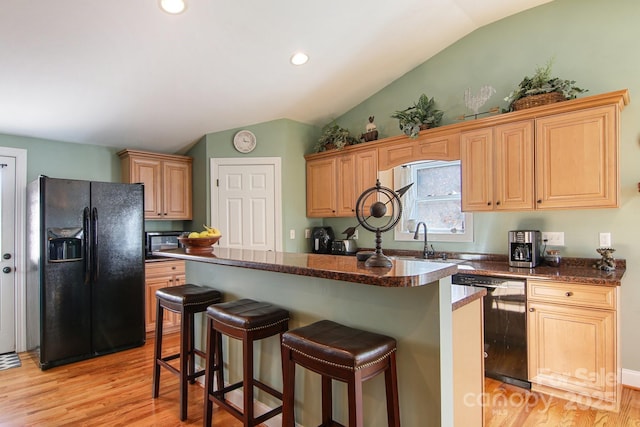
[65, 244]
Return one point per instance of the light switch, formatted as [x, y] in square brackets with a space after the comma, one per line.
[292, 234]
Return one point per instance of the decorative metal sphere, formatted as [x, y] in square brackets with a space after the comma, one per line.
[378, 210]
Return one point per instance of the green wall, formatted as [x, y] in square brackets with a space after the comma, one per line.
[58, 159]
[282, 138]
[595, 43]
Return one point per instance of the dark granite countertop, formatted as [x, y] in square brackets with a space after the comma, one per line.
[570, 269]
[463, 295]
[403, 273]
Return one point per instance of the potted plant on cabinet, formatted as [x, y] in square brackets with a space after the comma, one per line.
[542, 89]
[422, 115]
[334, 137]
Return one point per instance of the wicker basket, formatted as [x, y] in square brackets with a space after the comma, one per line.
[537, 100]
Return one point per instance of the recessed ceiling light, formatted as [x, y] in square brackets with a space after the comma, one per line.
[173, 7]
[299, 58]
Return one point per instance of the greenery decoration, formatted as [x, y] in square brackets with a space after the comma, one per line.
[334, 136]
[422, 115]
[541, 82]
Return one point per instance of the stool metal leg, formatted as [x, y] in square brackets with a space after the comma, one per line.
[157, 351]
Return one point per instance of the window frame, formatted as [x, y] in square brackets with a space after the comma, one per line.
[400, 180]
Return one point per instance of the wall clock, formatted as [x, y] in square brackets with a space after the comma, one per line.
[244, 141]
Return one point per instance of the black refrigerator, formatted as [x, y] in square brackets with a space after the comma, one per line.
[85, 278]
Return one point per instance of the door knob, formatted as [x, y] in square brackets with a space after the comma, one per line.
[532, 309]
[6, 270]
[6, 256]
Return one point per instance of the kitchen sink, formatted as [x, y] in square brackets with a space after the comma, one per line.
[458, 262]
[418, 258]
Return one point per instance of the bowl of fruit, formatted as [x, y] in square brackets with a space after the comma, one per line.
[200, 242]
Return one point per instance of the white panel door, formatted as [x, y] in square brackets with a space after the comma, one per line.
[246, 205]
[7, 254]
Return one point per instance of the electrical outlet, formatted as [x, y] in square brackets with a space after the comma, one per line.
[553, 238]
[292, 234]
[605, 240]
[355, 235]
[307, 233]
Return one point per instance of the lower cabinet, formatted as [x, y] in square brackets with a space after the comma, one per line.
[573, 342]
[158, 275]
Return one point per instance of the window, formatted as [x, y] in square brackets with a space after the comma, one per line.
[434, 199]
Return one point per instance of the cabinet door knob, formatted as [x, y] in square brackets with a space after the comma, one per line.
[539, 201]
[498, 203]
[531, 309]
[488, 203]
[568, 294]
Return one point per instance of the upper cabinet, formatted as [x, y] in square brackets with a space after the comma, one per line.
[334, 183]
[435, 144]
[577, 159]
[497, 167]
[556, 156]
[166, 179]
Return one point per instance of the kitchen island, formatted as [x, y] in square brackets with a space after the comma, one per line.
[410, 301]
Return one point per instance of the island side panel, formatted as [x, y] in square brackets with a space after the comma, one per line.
[411, 315]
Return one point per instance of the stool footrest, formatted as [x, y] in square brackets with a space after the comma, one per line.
[170, 367]
[225, 390]
[269, 414]
[262, 386]
[171, 357]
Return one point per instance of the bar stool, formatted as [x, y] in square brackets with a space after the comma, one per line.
[246, 320]
[345, 354]
[186, 300]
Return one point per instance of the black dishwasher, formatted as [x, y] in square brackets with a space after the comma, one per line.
[505, 327]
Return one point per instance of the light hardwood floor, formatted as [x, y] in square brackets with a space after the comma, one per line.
[510, 406]
[115, 390]
[111, 390]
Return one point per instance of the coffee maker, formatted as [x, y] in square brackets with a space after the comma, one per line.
[322, 240]
[524, 248]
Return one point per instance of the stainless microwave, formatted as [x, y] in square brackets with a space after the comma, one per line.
[161, 240]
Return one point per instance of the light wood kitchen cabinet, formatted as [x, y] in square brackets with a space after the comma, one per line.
[573, 342]
[334, 183]
[577, 159]
[497, 167]
[162, 274]
[434, 145]
[167, 183]
[557, 156]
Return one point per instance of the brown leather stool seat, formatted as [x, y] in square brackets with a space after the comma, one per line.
[246, 320]
[186, 300]
[345, 354]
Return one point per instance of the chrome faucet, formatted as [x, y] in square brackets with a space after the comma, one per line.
[426, 253]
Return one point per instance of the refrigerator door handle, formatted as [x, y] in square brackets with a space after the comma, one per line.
[85, 243]
[94, 245]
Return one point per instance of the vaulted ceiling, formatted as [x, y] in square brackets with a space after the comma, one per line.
[124, 73]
